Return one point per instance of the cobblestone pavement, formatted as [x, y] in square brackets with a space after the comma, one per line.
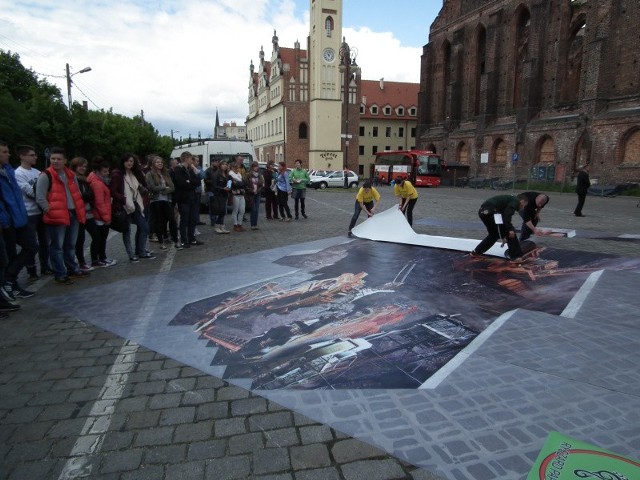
[77, 401]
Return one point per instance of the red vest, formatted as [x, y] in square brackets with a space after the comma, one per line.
[58, 213]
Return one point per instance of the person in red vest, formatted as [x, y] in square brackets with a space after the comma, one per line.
[59, 197]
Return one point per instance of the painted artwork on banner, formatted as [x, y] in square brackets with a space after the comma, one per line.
[565, 458]
[376, 315]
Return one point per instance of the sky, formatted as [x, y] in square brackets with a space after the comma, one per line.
[180, 60]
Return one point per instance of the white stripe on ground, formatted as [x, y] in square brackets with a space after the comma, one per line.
[95, 428]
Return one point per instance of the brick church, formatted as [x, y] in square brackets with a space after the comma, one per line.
[512, 88]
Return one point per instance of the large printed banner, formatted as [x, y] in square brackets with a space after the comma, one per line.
[563, 458]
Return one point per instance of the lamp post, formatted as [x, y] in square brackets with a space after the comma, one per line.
[347, 64]
[69, 81]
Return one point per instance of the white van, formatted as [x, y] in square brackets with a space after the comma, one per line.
[209, 150]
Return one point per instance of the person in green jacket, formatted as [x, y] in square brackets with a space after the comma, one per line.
[299, 181]
[506, 206]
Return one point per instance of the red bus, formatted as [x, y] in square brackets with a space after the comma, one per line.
[420, 167]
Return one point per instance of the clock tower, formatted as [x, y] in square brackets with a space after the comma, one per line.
[325, 110]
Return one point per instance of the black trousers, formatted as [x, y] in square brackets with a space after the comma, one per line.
[494, 233]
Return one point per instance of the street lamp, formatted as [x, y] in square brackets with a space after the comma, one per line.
[347, 64]
[69, 81]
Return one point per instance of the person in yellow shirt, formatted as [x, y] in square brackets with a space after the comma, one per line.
[408, 197]
[366, 201]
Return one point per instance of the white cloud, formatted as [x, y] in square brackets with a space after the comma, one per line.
[177, 61]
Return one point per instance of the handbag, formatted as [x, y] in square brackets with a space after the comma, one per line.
[119, 220]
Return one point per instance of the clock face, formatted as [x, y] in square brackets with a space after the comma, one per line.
[328, 54]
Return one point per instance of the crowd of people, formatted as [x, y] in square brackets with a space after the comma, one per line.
[50, 215]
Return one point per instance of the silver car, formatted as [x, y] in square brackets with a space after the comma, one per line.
[334, 179]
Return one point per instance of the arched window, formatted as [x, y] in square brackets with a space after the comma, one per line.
[547, 151]
[463, 154]
[500, 152]
[302, 130]
[481, 58]
[328, 26]
[521, 54]
[446, 73]
[574, 63]
[631, 148]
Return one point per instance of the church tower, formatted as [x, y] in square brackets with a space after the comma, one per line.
[325, 111]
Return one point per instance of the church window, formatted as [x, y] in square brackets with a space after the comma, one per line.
[302, 130]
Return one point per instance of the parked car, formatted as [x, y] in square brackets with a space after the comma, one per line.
[320, 173]
[334, 179]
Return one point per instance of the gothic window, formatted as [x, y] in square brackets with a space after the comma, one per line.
[481, 57]
[574, 63]
[547, 153]
[521, 55]
[328, 26]
[500, 152]
[446, 73]
[463, 154]
[302, 130]
[631, 147]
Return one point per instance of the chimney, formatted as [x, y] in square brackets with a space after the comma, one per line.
[382, 83]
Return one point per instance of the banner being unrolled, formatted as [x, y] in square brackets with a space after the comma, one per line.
[392, 226]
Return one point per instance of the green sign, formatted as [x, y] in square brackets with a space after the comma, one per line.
[563, 458]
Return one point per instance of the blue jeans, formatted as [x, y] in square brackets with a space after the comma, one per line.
[142, 232]
[62, 247]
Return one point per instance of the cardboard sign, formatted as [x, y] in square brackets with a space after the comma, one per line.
[564, 458]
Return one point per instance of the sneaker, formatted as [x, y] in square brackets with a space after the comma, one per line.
[197, 232]
[473, 254]
[254, 228]
[20, 292]
[134, 259]
[147, 256]
[6, 306]
[288, 219]
[179, 246]
[7, 292]
[163, 247]
[98, 264]
[197, 242]
[153, 238]
[79, 274]
[86, 268]
[46, 271]
[63, 281]
[110, 262]
[224, 230]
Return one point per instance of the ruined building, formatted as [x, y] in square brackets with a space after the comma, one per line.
[513, 88]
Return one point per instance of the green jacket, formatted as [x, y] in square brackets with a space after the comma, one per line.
[299, 178]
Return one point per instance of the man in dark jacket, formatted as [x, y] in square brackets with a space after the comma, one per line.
[531, 214]
[505, 206]
[582, 186]
[16, 230]
[186, 181]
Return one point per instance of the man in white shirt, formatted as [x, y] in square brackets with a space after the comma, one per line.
[27, 176]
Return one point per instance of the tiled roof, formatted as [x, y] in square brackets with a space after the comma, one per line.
[393, 94]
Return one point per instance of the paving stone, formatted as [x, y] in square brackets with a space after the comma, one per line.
[207, 450]
[372, 470]
[143, 419]
[186, 470]
[270, 421]
[310, 456]
[225, 427]
[198, 397]
[349, 450]
[165, 374]
[229, 468]
[271, 460]
[174, 416]
[35, 470]
[117, 441]
[165, 400]
[149, 388]
[145, 472]
[231, 393]
[329, 473]
[194, 432]
[248, 406]
[154, 436]
[278, 476]
[28, 451]
[30, 432]
[245, 443]
[122, 461]
[284, 437]
[315, 434]
[166, 455]
[212, 410]
[22, 415]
